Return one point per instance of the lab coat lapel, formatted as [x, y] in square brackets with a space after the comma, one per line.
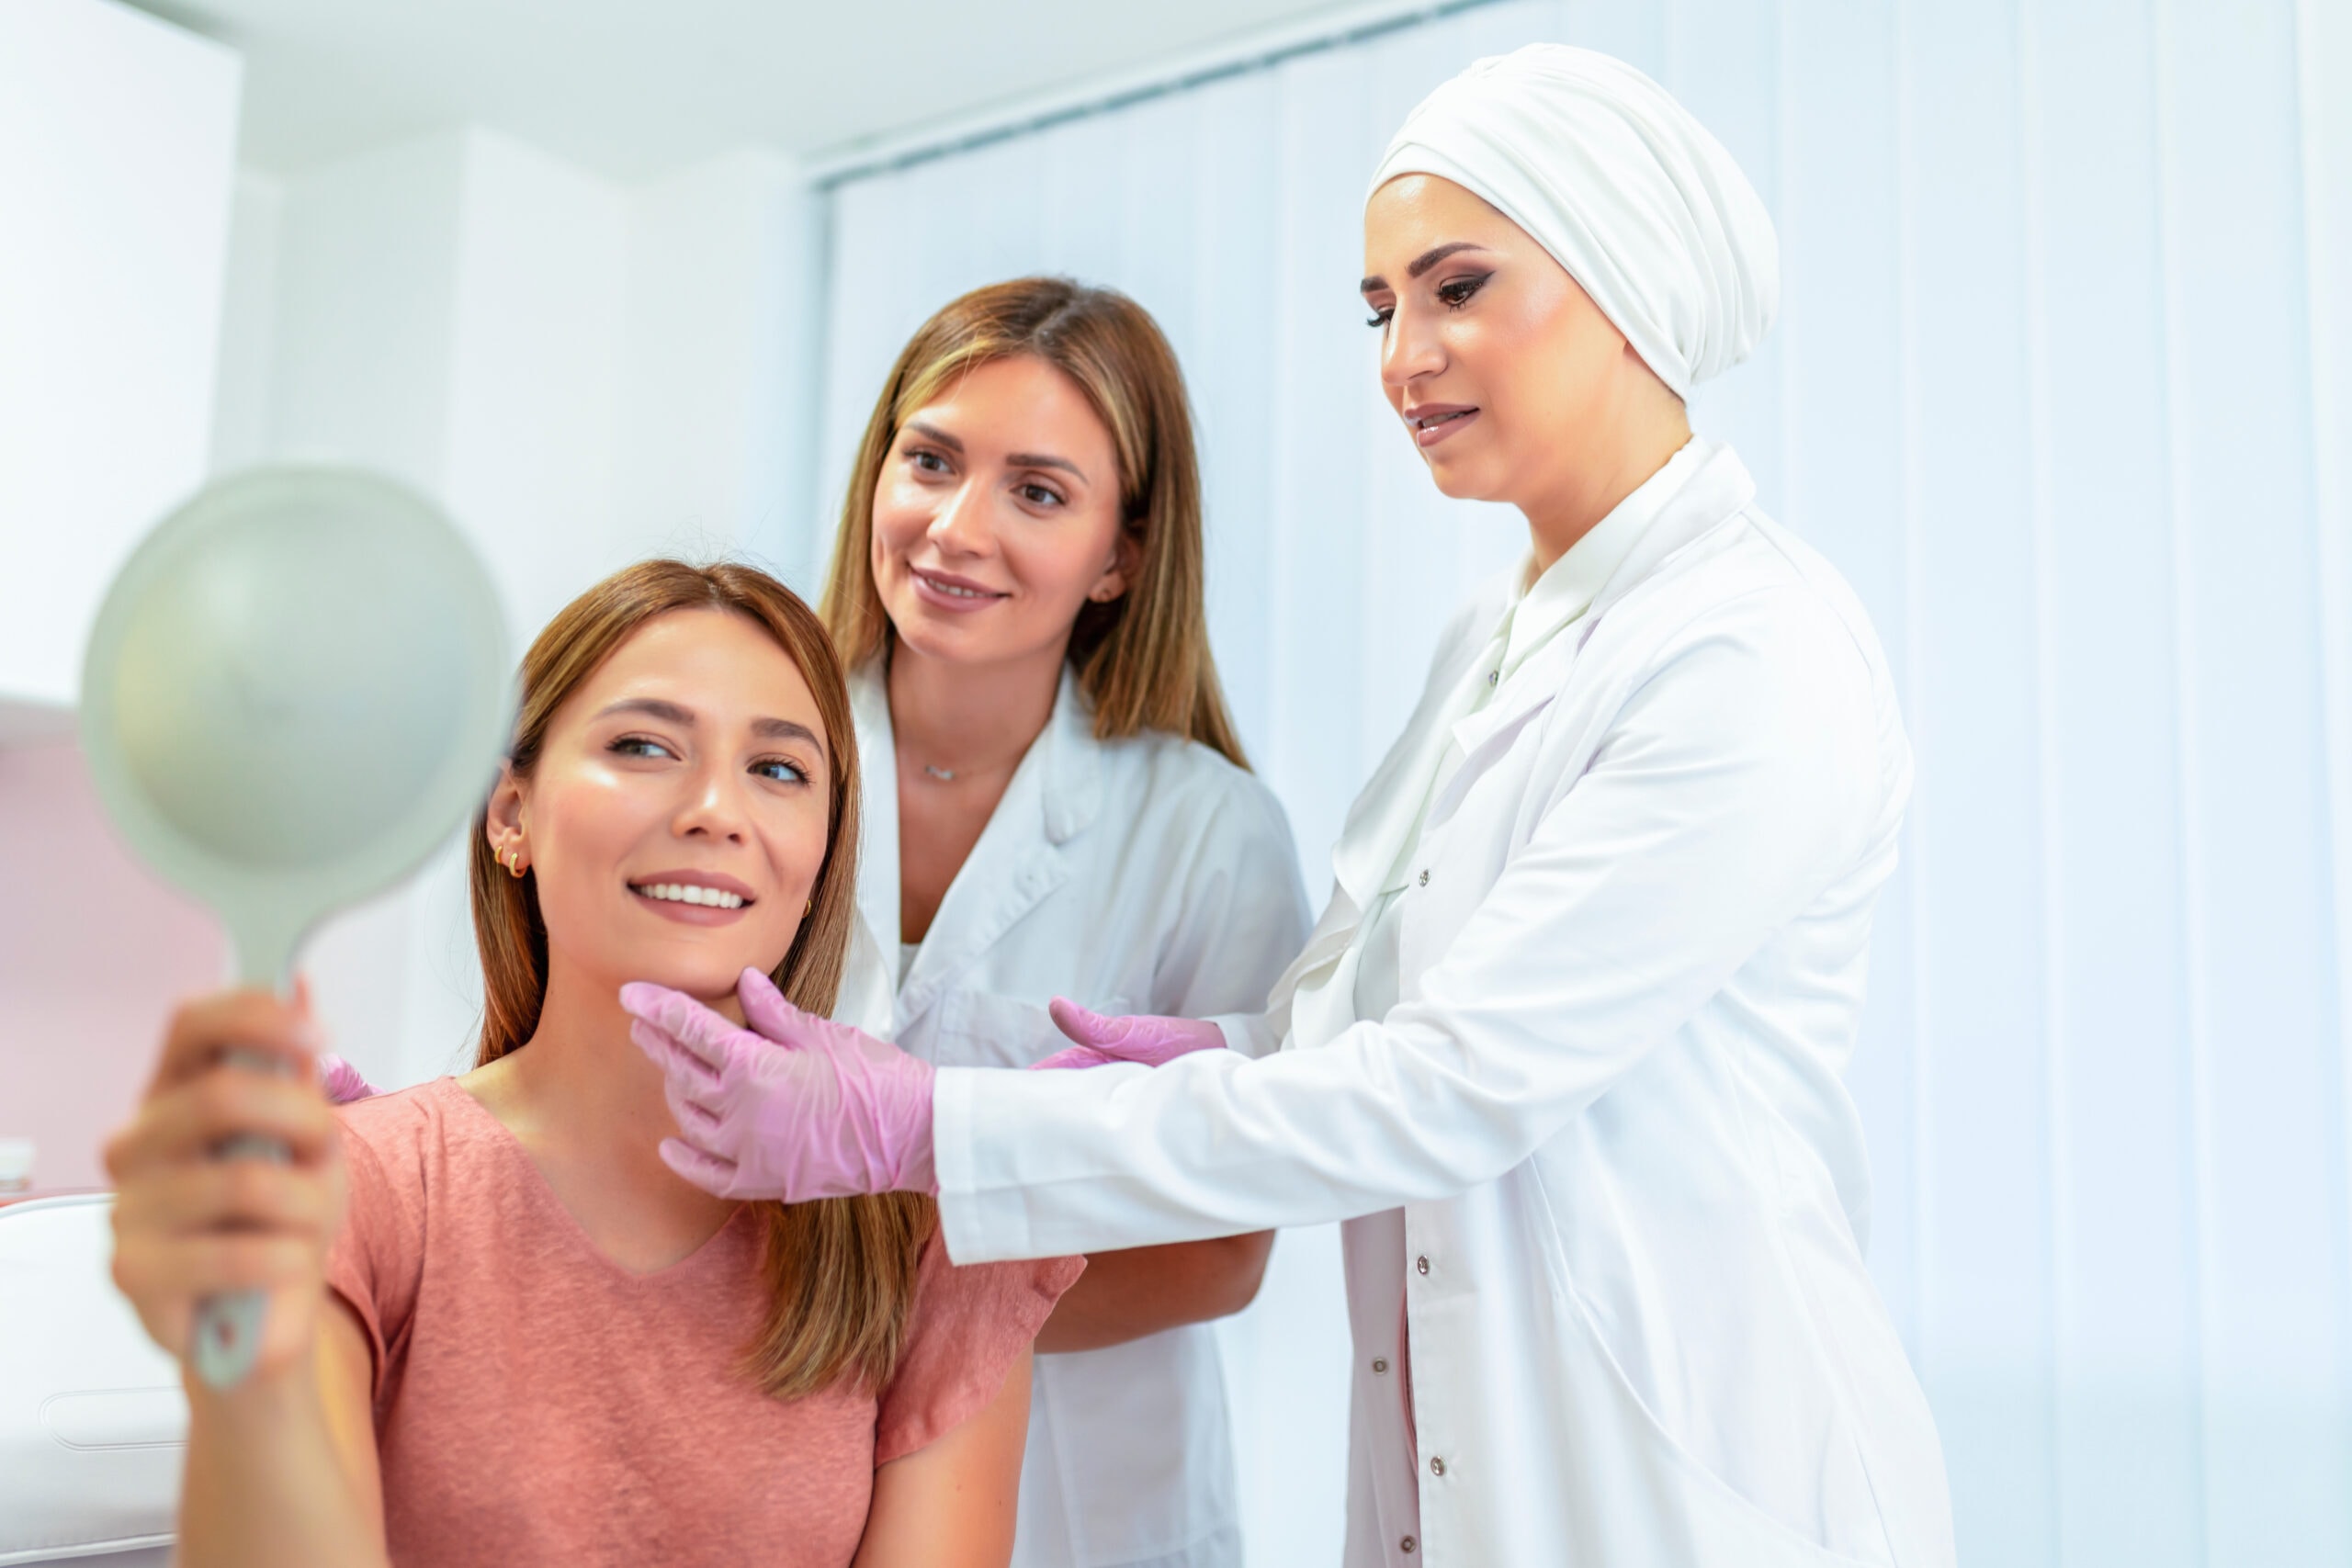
[877, 850]
[1385, 811]
[869, 982]
[1376, 826]
[1055, 794]
[1718, 490]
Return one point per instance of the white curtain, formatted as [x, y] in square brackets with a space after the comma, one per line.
[2062, 383]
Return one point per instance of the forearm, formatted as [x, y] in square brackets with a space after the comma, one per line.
[1142, 1290]
[263, 1485]
[1211, 1145]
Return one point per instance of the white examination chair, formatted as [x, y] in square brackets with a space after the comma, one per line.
[93, 1424]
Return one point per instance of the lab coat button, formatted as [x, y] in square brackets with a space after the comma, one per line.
[1405, 1546]
[1493, 676]
[1380, 1366]
[1422, 1265]
[1437, 1465]
[1425, 878]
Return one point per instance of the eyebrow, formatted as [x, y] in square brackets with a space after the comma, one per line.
[1044, 460]
[1015, 459]
[672, 713]
[1420, 264]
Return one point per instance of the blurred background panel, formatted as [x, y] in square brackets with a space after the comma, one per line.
[2063, 382]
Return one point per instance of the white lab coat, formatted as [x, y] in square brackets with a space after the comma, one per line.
[1633, 1190]
[1146, 874]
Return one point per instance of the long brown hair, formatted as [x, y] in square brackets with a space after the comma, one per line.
[841, 1272]
[1143, 659]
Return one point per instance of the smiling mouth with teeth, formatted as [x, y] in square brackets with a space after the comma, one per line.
[954, 590]
[1435, 420]
[688, 893]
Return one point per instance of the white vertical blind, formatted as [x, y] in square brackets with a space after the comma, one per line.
[2063, 382]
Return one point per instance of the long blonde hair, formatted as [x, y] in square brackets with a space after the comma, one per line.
[1143, 659]
[840, 1272]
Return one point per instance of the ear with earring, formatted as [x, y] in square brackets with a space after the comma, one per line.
[512, 859]
[1104, 593]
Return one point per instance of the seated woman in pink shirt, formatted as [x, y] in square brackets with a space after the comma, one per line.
[501, 1330]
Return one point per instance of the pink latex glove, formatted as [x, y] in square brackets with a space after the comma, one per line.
[342, 1081]
[795, 1107]
[1144, 1038]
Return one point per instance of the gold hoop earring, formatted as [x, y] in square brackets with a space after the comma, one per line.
[808, 909]
[513, 860]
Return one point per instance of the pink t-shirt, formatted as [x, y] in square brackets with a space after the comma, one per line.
[537, 1402]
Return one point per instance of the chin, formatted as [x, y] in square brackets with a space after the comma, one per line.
[708, 981]
[1459, 480]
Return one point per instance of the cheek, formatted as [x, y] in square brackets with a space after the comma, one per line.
[1057, 565]
[902, 512]
[793, 833]
[586, 821]
[1543, 369]
[580, 833]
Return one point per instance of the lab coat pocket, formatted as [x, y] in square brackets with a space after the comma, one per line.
[1719, 1523]
[981, 1029]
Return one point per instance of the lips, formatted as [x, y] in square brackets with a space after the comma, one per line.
[1433, 422]
[947, 591]
[695, 897]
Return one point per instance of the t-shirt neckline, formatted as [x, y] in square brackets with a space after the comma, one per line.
[542, 1194]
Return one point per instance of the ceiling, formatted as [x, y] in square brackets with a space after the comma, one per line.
[631, 87]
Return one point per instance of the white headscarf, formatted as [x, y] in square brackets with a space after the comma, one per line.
[1629, 193]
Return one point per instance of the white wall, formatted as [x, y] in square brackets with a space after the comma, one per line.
[718, 353]
[117, 143]
[582, 372]
[2063, 383]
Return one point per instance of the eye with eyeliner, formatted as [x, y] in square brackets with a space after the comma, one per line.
[1455, 292]
[793, 772]
[627, 746]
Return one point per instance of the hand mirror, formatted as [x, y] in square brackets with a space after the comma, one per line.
[294, 691]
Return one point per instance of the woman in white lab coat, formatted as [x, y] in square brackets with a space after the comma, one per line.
[1565, 1048]
[1056, 804]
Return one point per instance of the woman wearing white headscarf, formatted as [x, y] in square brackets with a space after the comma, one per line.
[1564, 1049]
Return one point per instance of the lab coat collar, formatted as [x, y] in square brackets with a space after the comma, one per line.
[1569, 586]
[1697, 488]
[1700, 487]
[1055, 794]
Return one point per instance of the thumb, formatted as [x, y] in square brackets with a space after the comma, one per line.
[716, 1177]
[1087, 1026]
[766, 1008]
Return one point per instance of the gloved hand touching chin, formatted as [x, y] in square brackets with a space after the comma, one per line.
[795, 1107]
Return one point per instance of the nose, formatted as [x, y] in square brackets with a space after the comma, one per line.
[1410, 349]
[961, 525]
[713, 809]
